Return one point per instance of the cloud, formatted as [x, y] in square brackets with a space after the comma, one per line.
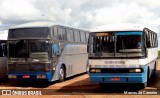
[81, 14]
[18, 9]
[0, 23]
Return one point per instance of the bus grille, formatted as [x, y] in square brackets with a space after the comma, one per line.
[115, 70]
[25, 68]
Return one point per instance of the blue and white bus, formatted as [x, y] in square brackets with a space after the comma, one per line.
[122, 53]
[46, 51]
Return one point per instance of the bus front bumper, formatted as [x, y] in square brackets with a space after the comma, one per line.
[118, 78]
[44, 76]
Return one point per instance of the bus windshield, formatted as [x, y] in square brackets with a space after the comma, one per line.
[30, 49]
[29, 33]
[117, 44]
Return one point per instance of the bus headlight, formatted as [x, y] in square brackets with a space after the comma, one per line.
[12, 76]
[93, 70]
[41, 76]
[135, 70]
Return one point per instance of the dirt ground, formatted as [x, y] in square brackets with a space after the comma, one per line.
[80, 87]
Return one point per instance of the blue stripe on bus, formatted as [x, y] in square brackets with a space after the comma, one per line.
[128, 33]
[33, 75]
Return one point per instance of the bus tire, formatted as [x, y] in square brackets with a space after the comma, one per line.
[62, 74]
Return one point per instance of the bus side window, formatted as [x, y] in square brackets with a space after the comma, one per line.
[83, 36]
[55, 32]
[60, 33]
[148, 39]
[70, 36]
[87, 37]
[64, 34]
[76, 36]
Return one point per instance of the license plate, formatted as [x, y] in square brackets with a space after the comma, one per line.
[26, 76]
[115, 79]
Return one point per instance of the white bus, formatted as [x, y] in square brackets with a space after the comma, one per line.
[122, 53]
[46, 51]
[3, 53]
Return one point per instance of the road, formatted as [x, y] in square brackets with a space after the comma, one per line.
[80, 87]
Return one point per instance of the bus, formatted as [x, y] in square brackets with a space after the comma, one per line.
[3, 53]
[122, 53]
[46, 51]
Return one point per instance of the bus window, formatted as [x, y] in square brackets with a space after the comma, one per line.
[60, 34]
[83, 36]
[55, 33]
[70, 36]
[87, 35]
[64, 34]
[76, 36]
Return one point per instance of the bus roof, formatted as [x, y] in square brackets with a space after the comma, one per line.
[35, 24]
[4, 35]
[119, 27]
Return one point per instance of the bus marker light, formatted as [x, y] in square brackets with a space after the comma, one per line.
[138, 70]
[12, 76]
[39, 76]
[98, 70]
[43, 76]
[93, 70]
[135, 70]
[26, 76]
[9, 76]
[115, 79]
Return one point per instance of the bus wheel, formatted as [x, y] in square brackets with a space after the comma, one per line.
[62, 74]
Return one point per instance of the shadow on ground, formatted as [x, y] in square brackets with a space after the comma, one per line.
[96, 89]
[33, 84]
[74, 88]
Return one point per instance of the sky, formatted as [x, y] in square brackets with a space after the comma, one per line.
[83, 14]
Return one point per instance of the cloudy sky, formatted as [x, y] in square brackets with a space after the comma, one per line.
[80, 13]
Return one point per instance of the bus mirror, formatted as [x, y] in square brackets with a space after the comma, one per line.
[148, 43]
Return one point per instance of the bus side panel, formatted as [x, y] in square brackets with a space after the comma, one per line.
[74, 57]
[152, 59]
